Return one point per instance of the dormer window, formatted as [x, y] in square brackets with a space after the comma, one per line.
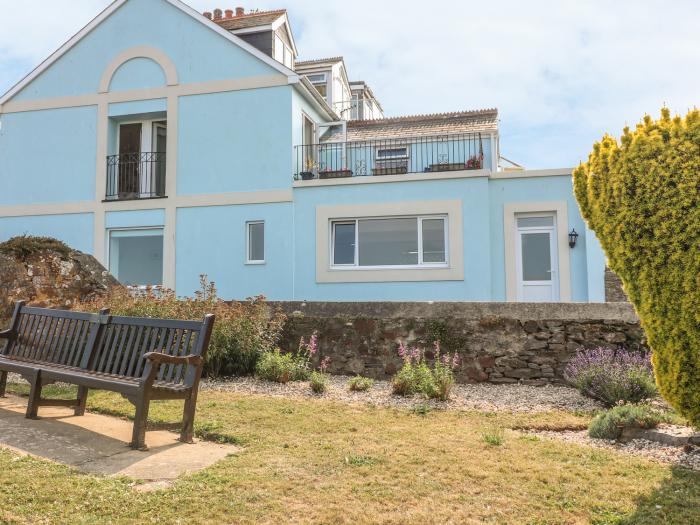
[320, 82]
[283, 53]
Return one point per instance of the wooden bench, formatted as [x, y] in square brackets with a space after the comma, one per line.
[142, 359]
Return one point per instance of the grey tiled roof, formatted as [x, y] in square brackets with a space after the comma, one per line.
[318, 62]
[250, 20]
[477, 121]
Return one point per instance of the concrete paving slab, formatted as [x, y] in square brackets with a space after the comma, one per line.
[97, 444]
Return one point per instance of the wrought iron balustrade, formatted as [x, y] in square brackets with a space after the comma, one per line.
[389, 156]
[135, 176]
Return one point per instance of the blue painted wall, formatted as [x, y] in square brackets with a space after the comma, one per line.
[195, 49]
[137, 73]
[48, 156]
[235, 141]
[134, 219]
[212, 240]
[73, 229]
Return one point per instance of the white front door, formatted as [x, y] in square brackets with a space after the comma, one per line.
[536, 258]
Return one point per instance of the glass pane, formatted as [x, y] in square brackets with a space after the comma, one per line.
[388, 242]
[537, 258]
[344, 243]
[256, 241]
[279, 49]
[136, 257]
[433, 240]
[534, 222]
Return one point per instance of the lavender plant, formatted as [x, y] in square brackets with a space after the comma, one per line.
[611, 375]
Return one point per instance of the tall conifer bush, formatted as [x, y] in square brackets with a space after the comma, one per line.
[641, 196]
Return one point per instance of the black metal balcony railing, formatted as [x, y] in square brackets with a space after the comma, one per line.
[135, 176]
[389, 156]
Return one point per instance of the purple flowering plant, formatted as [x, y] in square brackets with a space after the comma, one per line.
[612, 375]
[417, 376]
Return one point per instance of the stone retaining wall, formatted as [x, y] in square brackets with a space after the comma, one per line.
[498, 342]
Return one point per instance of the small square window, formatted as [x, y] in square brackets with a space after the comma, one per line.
[255, 249]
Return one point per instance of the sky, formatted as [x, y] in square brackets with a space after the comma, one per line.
[561, 73]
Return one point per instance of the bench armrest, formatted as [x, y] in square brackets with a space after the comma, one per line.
[158, 358]
[7, 334]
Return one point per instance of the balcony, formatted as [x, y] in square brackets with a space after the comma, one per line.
[428, 154]
[135, 176]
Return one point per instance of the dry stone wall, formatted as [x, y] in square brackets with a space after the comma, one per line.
[498, 342]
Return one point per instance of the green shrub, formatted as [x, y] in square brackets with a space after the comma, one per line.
[24, 246]
[608, 424]
[416, 376]
[360, 384]
[318, 382]
[642, 198]
[243, 331]
[277, 367]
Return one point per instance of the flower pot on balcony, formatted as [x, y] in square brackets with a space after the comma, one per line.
[306, 175]
[335, 174]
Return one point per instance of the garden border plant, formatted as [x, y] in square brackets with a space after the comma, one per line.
[609, 424]
[612, 375]
[417, 376]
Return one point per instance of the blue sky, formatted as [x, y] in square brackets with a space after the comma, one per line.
[561, 72]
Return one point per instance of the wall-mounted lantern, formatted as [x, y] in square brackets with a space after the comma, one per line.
[572, 238]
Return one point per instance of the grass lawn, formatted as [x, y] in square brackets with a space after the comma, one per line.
[327, 462]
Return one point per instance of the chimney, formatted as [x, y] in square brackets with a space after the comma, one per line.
[217, 14]
[240, 11]
[228, 13]
[207, 14]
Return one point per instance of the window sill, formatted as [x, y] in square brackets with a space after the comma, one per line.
[255, 263]
[388, 268]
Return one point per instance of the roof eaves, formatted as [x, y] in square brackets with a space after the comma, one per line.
[317, 61]
[493, 112]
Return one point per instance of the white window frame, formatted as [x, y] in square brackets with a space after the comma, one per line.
[405, 156]
[419, 224]
[325, 82]
[248, 250]
[132, 229]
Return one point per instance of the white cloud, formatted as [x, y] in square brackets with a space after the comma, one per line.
[561, 72]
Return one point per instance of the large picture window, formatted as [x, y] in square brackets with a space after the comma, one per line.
[389, 242]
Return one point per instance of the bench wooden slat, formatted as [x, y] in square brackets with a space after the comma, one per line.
[140, 349]
[49, 312]
[75, 344]
[34, 335]
[68, 346]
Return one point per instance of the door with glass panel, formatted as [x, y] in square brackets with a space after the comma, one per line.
[536, 258]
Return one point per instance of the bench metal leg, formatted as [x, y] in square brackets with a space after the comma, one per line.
[82, 399]
[187, 432]
[34, 395]
[3, 383]
[138, 438]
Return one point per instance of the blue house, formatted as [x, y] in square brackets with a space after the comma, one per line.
[170, 143]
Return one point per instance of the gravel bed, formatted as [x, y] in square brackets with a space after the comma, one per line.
[486, 397]
[688, 457]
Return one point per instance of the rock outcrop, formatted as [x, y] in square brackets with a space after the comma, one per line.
[48, 274]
